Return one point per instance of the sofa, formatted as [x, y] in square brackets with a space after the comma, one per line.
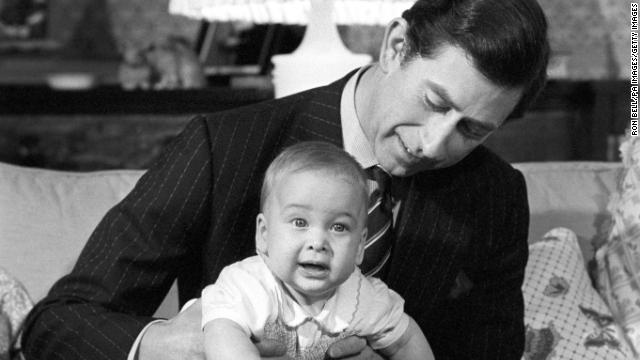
[47, 215]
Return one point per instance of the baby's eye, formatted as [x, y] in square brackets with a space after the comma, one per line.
[339, 227]
[299, 223]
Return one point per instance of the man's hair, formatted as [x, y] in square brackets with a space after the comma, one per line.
[507, 39]
[314, 156]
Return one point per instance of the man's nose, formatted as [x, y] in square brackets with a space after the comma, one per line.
[436, 133]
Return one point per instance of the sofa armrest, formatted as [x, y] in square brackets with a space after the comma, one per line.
[572, 195]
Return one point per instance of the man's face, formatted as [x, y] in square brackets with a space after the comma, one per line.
[430, 113]
[312, 231]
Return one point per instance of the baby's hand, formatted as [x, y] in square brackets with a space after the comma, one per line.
[271, 349]
[352, 348]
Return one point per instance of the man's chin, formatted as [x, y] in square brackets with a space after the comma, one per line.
[404, 171]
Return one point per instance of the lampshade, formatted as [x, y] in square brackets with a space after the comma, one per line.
[321, 56]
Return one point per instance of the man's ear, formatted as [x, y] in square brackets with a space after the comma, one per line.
[261, 234]
[393, 44]
[360, 253]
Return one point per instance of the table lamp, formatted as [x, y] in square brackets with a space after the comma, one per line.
[322, 56]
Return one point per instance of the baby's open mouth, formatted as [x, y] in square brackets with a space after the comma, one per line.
[314, 266]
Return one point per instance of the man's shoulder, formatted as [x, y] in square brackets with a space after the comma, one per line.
[324, 99]
[481, 165]
[487, 174]
[480, 174]
[261, 110]
[484, 159]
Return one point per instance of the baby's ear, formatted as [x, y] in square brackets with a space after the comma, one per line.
[261, 234]
[360, 253]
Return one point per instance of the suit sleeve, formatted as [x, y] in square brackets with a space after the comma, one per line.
[488, 323]
[130, 260]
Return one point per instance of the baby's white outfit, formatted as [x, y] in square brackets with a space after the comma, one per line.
[247, 293]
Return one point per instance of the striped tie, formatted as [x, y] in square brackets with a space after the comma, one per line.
[379, 225]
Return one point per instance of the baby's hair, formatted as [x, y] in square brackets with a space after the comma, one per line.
[312, 156]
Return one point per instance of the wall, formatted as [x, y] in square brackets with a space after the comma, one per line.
[131, 22]
[592, 35]
[593, 32]
[87, 142]
[589, 38]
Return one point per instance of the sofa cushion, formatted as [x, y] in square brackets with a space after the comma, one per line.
[572, 195]
[46, 217]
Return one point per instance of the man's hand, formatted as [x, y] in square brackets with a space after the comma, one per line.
[181, 338]
[352, 348]
[177, 338]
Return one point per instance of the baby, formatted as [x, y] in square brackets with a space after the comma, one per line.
[304, 288]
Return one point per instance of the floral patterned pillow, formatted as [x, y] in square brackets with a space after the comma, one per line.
[15, 303]
[565, 317]
[618, 278]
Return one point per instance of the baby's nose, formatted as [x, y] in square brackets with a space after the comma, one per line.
[318, 241]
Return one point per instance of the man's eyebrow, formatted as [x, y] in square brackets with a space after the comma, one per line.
[444, 95]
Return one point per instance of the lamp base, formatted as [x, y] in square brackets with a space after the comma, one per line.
[293, 73]
[321, 57]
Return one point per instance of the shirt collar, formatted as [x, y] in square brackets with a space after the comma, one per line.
[353, 137]
[336, 314]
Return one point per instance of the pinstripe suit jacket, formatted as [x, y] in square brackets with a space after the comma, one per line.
[194, 212]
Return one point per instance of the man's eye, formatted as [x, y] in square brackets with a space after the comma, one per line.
[434, 107]
[472, 132]
[339, 227]
[299, 223]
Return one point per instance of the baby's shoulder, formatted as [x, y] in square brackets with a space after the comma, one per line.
[251, 271]
[379, 311]
[370, 294]
[365, 286]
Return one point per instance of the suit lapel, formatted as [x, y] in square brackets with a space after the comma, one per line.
[319, 114]
[432, 237]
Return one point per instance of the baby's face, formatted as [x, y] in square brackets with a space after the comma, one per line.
[312, 232]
